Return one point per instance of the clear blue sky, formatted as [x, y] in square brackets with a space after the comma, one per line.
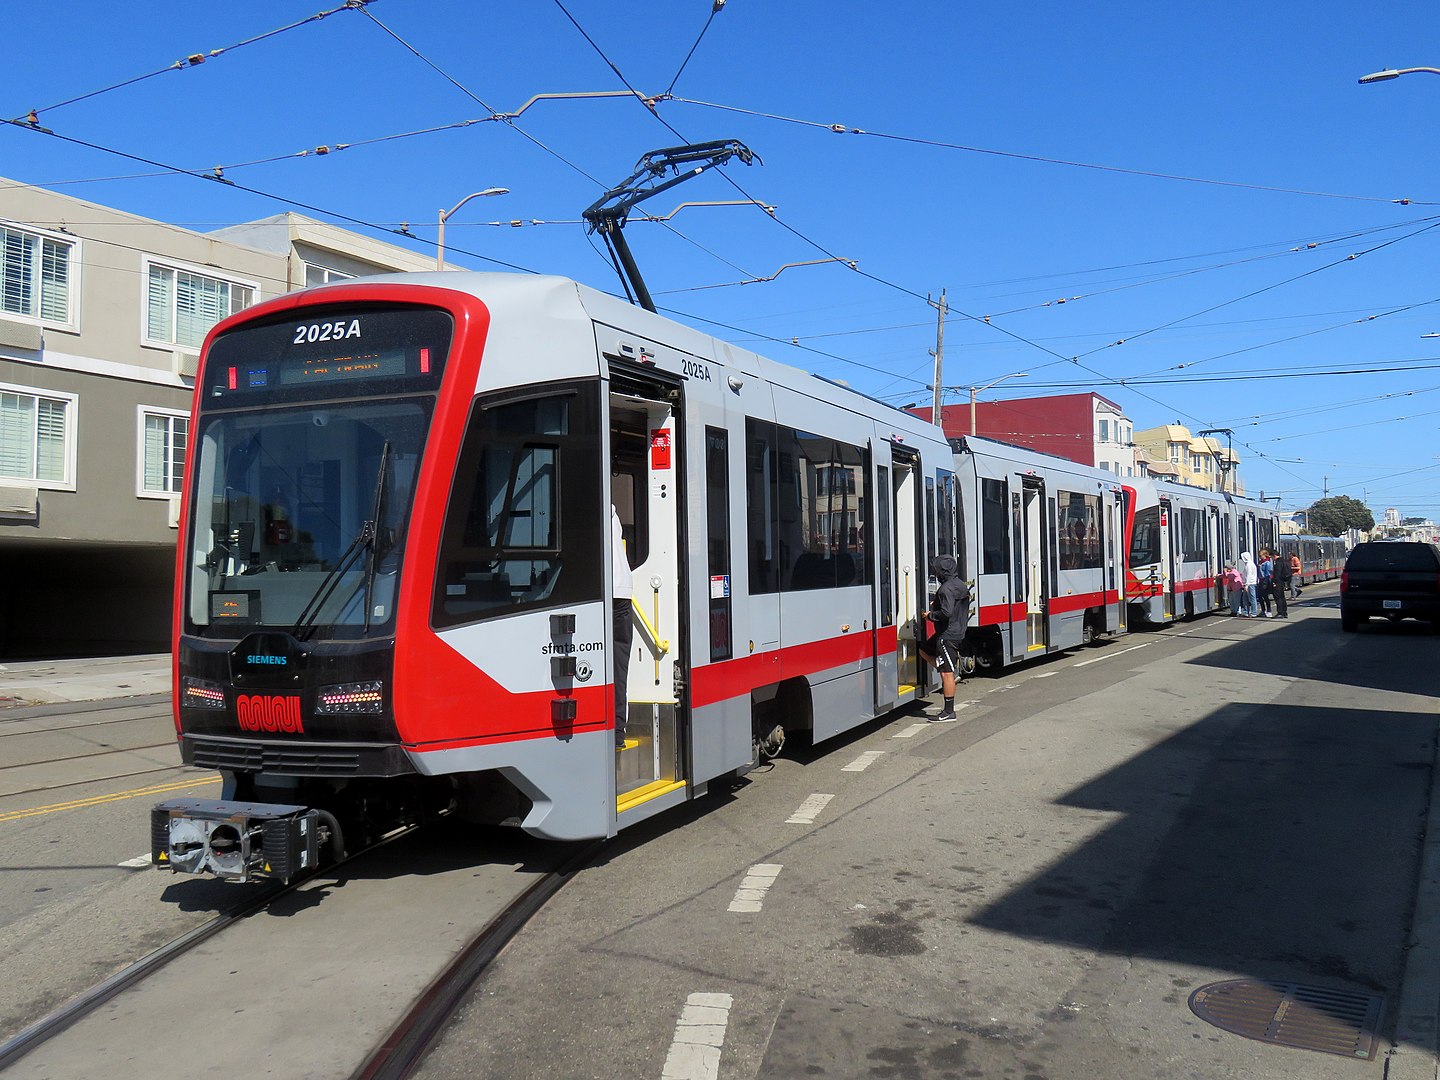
[1260, 102]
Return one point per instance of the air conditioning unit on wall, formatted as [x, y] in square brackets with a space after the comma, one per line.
[184, 363]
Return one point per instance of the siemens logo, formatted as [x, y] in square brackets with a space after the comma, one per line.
[278, 661]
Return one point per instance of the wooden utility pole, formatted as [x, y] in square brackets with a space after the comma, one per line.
[939, 354]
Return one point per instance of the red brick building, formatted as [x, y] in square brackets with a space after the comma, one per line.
[1085, 428]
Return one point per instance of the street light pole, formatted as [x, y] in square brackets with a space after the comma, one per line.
[976, 389]
[447, 214]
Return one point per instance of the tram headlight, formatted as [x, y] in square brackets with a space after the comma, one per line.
[350, 699]
[200, 694]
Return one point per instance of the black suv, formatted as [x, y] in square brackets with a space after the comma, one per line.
[1396, 580]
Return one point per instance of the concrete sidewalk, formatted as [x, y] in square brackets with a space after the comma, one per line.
[43, 682]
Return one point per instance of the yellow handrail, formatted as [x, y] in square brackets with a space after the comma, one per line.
[661, 646]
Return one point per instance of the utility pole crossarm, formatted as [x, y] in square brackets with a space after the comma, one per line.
[607, 214]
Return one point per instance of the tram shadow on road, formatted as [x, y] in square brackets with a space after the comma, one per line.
[442, 847]
[1275, 842]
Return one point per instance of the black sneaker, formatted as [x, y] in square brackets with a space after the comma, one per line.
[946, 716]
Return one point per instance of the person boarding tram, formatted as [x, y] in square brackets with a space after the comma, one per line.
[950, 612]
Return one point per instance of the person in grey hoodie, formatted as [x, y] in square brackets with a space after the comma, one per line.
[950, 612]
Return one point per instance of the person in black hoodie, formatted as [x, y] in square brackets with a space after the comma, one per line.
[950, 612]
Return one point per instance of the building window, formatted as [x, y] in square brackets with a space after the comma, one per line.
[1104, 431]
[164, 434]
[323, 275]
[35, 275]
[1177, 453]
[37, 437]
[182, 306]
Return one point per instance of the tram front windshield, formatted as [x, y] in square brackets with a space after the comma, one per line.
[299, 508]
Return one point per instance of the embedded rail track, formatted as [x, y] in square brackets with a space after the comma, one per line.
[402, 1050]
[81, 1006]
[85, 1003]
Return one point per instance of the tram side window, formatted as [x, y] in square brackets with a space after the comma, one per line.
[946, 535]
[523, 526]
[1192, 535]
[1145, 544]
[822, 499]
[762, 524]
[717, 529]
[805, 510]
[1079, 529]
[994, 537]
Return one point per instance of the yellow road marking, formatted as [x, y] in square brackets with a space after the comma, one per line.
[97, 800]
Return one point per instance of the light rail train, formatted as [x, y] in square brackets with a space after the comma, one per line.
[396, 573]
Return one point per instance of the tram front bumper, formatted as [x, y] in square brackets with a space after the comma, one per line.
[235, 841]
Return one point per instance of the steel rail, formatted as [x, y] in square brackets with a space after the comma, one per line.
[397, 1056]
[85, 1003]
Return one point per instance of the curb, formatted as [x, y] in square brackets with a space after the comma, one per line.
[1416, 1053]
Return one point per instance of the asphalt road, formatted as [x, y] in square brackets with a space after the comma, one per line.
[1033, 892]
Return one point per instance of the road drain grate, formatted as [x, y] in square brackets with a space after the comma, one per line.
[1292, 1014]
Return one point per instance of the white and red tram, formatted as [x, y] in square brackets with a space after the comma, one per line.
[1044, 541]
[395, 572]
[1183, 538]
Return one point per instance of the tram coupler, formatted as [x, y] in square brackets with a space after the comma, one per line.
[239, 841]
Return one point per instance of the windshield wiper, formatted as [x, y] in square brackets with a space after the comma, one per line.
[365, 539]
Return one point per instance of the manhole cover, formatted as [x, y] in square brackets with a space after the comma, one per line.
[1291, 1014]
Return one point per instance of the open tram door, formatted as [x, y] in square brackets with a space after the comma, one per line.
[1169, 543]
[647, 491]
[1217, 559]
[1032, 563]
[1117, 512]
[908, 573]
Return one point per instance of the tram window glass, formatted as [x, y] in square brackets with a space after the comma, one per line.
[290, 493]
[882, 534]
[931, 540]
[1079, 531]
[993, 534]
[1267, 534]
[1192, 535]
[762, 526]
[524, 522]
[1145, 544]
[820, 524]
[717, 529]
[945, 532]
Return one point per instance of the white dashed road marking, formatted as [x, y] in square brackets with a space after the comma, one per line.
[1045, 674]
[699, 1034]
[864, 761]
[751, 893]
[1111, 656]
[910, 732]
[806, 813]
[135, 864]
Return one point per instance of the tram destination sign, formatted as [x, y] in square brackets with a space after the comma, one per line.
[329, 352]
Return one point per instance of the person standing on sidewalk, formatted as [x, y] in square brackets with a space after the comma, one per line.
[1280, 585]
[1249, 577]
[950, 612]
[1265, 567]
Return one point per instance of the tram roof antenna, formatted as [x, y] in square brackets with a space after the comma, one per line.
[607, 214]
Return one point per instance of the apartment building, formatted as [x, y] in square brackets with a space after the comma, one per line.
[1171, 452]
[102, 314]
